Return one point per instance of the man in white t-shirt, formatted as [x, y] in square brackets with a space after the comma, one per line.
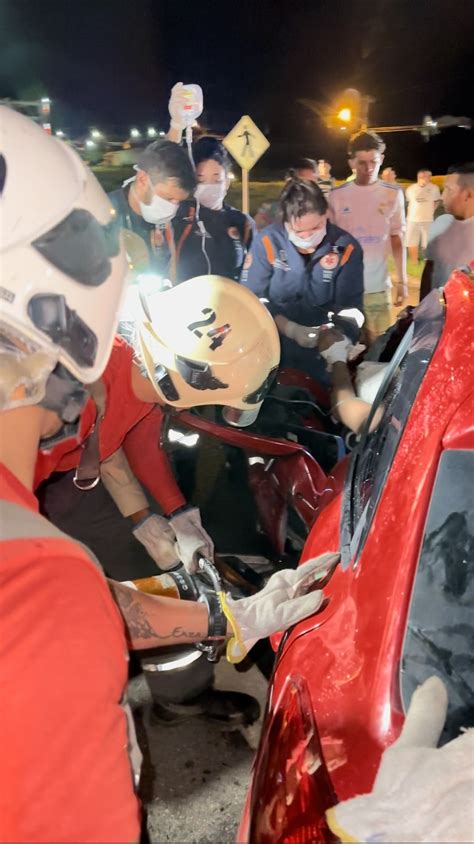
[451, 237]
[373, 212]
[423, 198]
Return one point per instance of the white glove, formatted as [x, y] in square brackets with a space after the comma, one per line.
[281, 603]
[175, 107]
[305, 335]
[192, 540]
[353, 313]
[156, 535]
[420, 793]
[337, 353]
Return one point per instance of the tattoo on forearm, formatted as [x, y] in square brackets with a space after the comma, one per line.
[136, 620]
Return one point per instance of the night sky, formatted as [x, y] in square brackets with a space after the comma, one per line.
[111, 64]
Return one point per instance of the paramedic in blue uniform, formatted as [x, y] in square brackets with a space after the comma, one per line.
[304, 267]
[212, 236]
[180, 213]
[148, 202]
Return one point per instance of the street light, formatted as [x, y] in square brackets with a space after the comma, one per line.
[345, 115]
[90, 144]
[151, 132]
[96, 135]
[134, 133]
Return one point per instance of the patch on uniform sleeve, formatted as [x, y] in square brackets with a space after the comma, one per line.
[329, 261]
[347, 254]
[248, 261]
[268, 246]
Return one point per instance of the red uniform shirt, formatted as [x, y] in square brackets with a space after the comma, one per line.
[123, 411]
[64, 769]
[122, 425]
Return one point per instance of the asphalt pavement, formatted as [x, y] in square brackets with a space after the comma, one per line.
[195, 774]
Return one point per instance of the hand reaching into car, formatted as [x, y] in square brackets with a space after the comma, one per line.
[421, 792]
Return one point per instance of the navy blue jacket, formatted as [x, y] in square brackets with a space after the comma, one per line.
[175, 250]
[304, 291]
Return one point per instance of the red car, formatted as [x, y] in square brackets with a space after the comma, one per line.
[399, 604]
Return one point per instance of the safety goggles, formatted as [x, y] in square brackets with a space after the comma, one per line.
[199, 376]
[81, 247]
[238, 418]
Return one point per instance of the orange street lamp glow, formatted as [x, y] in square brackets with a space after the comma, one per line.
[345, 115]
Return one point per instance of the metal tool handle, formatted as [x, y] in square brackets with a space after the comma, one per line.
[207, 568]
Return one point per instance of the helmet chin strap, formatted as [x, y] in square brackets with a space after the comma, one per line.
[66, 397]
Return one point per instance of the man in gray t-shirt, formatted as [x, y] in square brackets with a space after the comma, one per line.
[451, 237]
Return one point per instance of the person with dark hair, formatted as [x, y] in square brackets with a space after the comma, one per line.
[305, 169]
[210, 235]
[147, 203]
[305, 267]
[374, 212]
[269, 212]
[423, 198]
[451, 236]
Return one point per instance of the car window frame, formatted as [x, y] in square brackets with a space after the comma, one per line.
[353, 534]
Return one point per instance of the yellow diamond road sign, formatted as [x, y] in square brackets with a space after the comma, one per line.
[246, 143]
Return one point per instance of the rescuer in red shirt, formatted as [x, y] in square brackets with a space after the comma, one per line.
[69, 763]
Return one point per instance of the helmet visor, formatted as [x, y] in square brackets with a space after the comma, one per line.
[81, 247]
[240, 418]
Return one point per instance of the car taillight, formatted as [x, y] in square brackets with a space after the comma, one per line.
[291, 786]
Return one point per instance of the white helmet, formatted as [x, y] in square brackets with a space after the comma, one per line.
[210, 341]
[63, 264]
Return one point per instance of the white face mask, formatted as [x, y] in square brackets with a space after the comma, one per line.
[306, 242]
[211, 195]
[158, 211]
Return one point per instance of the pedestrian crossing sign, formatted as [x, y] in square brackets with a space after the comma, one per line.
[246, 143]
